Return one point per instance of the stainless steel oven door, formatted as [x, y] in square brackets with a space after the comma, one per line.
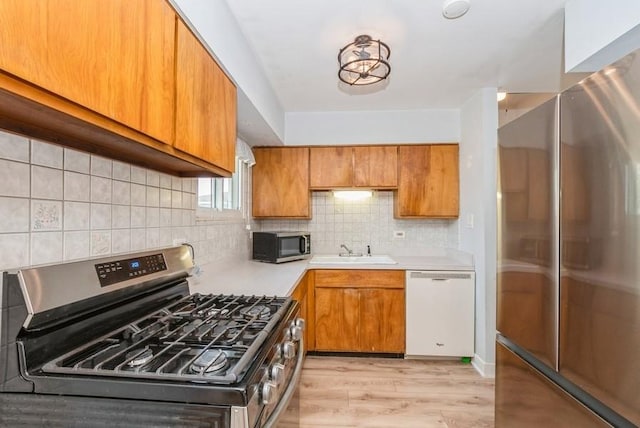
[287, 412]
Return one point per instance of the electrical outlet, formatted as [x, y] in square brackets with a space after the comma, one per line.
[398, 234]
[179, 241]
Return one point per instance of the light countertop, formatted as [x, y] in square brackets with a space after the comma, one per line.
[252, 277]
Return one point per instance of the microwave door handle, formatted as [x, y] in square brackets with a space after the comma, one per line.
[303, 244]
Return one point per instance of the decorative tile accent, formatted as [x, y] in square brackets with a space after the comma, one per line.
[77, 187]
[14, 147]
[46, 154]
[77, 161]
[46, 215]
[100, 190]
[100, 166]
[100, 243]
[14, 215]
[77, 215]
[46, 247]
[77, 245]
[46, 183]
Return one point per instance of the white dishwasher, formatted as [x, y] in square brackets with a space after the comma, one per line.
[440, 313]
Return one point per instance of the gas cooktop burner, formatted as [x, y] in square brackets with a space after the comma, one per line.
[211, 361]
[139, 357]
[258, 311]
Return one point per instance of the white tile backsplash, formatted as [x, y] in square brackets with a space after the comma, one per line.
[14, 213]
[46, 154]
[138, 195]
[46, 183]
[15, 179]
[100, 216]
[14, 147]
[77, 187]
[101, 167]
[77, 216]
[121, 171]
[77, 245]
[121, 193]
[101, 189]
[46, 247]
[77, 161]
[63, 204]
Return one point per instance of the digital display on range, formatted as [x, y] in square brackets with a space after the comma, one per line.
[123, 270]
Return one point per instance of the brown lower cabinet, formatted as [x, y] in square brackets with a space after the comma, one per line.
[359, 311]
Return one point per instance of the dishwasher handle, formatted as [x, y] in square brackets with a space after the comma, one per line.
[438, 276]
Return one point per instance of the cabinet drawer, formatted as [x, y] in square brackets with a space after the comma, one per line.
[340, 278]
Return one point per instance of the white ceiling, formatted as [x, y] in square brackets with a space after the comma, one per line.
[515, 45]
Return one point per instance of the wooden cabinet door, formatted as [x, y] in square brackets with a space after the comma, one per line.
[280, 182]
[330, 167]
[382, 317]
[375, 166]
[428, 182]
[114, 57]
[205, 104]
[337, 322]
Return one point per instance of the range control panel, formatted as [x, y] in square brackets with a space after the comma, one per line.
[123, 270]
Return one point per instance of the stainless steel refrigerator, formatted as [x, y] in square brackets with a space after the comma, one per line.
[568, 282]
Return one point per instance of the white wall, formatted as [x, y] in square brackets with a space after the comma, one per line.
[599, 32]
[371, 127]
[479, 123]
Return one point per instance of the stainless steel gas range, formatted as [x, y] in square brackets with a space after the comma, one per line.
[120, 341]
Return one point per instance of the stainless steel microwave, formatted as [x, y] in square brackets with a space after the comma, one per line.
[278, 247]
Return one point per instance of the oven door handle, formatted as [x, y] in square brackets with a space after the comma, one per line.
[291, 389]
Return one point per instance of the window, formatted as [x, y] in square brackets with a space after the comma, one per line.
[222, 198]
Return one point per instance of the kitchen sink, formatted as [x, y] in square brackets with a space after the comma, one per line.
[352, 260]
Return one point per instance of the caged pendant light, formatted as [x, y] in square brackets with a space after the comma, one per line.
[363, 62]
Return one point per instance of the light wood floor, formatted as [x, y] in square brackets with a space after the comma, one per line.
[381, 392]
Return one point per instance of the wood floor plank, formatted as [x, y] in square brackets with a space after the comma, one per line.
[380, 392]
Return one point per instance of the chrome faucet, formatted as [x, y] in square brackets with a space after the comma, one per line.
[346, 248]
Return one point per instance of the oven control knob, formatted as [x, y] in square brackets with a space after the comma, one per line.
[268, 392]
[296, 333]
[277, 373]
[300, 322]
[289, 350]
[278, 351]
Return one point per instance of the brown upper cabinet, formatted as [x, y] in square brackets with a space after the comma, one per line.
[428, 181]
[280, 183]
[205, 104]
[373, 167]
[114, 57]
[100, 76]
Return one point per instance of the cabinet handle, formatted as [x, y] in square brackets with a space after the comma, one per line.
[440, 279]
